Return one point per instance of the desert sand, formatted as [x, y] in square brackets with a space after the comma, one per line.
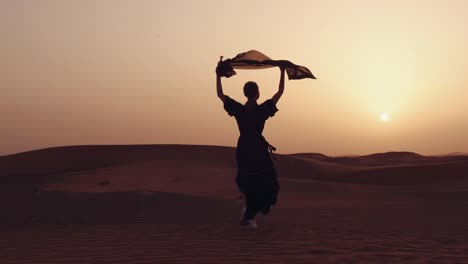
[179, 204]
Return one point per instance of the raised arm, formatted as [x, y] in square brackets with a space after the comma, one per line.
[278, 95]
[219, 86]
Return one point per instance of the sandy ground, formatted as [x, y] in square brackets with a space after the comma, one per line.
[178, 204]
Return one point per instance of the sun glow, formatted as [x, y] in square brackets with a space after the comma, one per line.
[384, 117]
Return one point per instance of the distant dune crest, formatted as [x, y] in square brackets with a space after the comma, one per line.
[391, 168]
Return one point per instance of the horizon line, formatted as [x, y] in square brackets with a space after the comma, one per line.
[452, 153]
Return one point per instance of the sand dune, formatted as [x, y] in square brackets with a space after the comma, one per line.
[383, 159]
[178, 204]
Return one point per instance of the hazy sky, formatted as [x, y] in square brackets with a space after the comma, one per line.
[142, 72]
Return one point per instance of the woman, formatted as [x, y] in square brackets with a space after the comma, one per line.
[256, 173]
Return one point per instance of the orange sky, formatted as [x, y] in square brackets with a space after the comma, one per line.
[142, 72]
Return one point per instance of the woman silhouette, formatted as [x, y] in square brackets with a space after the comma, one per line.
[256, 174]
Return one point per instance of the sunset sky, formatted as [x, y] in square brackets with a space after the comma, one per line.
[392, 75]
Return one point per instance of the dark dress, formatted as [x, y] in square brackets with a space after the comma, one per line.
[256, 173]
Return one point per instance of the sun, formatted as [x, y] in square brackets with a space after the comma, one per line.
[384, 117]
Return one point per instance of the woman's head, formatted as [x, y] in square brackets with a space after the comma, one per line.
[251, 90]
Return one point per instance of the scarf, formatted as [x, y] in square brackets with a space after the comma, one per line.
[256, 60]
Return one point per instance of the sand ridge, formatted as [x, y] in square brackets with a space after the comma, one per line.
[178, 204]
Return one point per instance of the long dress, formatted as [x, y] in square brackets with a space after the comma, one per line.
[256, 174]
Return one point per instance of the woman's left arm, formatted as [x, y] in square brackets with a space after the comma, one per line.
[219, 86]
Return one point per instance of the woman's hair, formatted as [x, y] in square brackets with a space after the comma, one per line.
[250, 90]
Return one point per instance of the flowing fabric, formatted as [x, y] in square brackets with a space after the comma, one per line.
[256, 60]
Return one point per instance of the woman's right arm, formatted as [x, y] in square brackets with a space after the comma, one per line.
[278, 95]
